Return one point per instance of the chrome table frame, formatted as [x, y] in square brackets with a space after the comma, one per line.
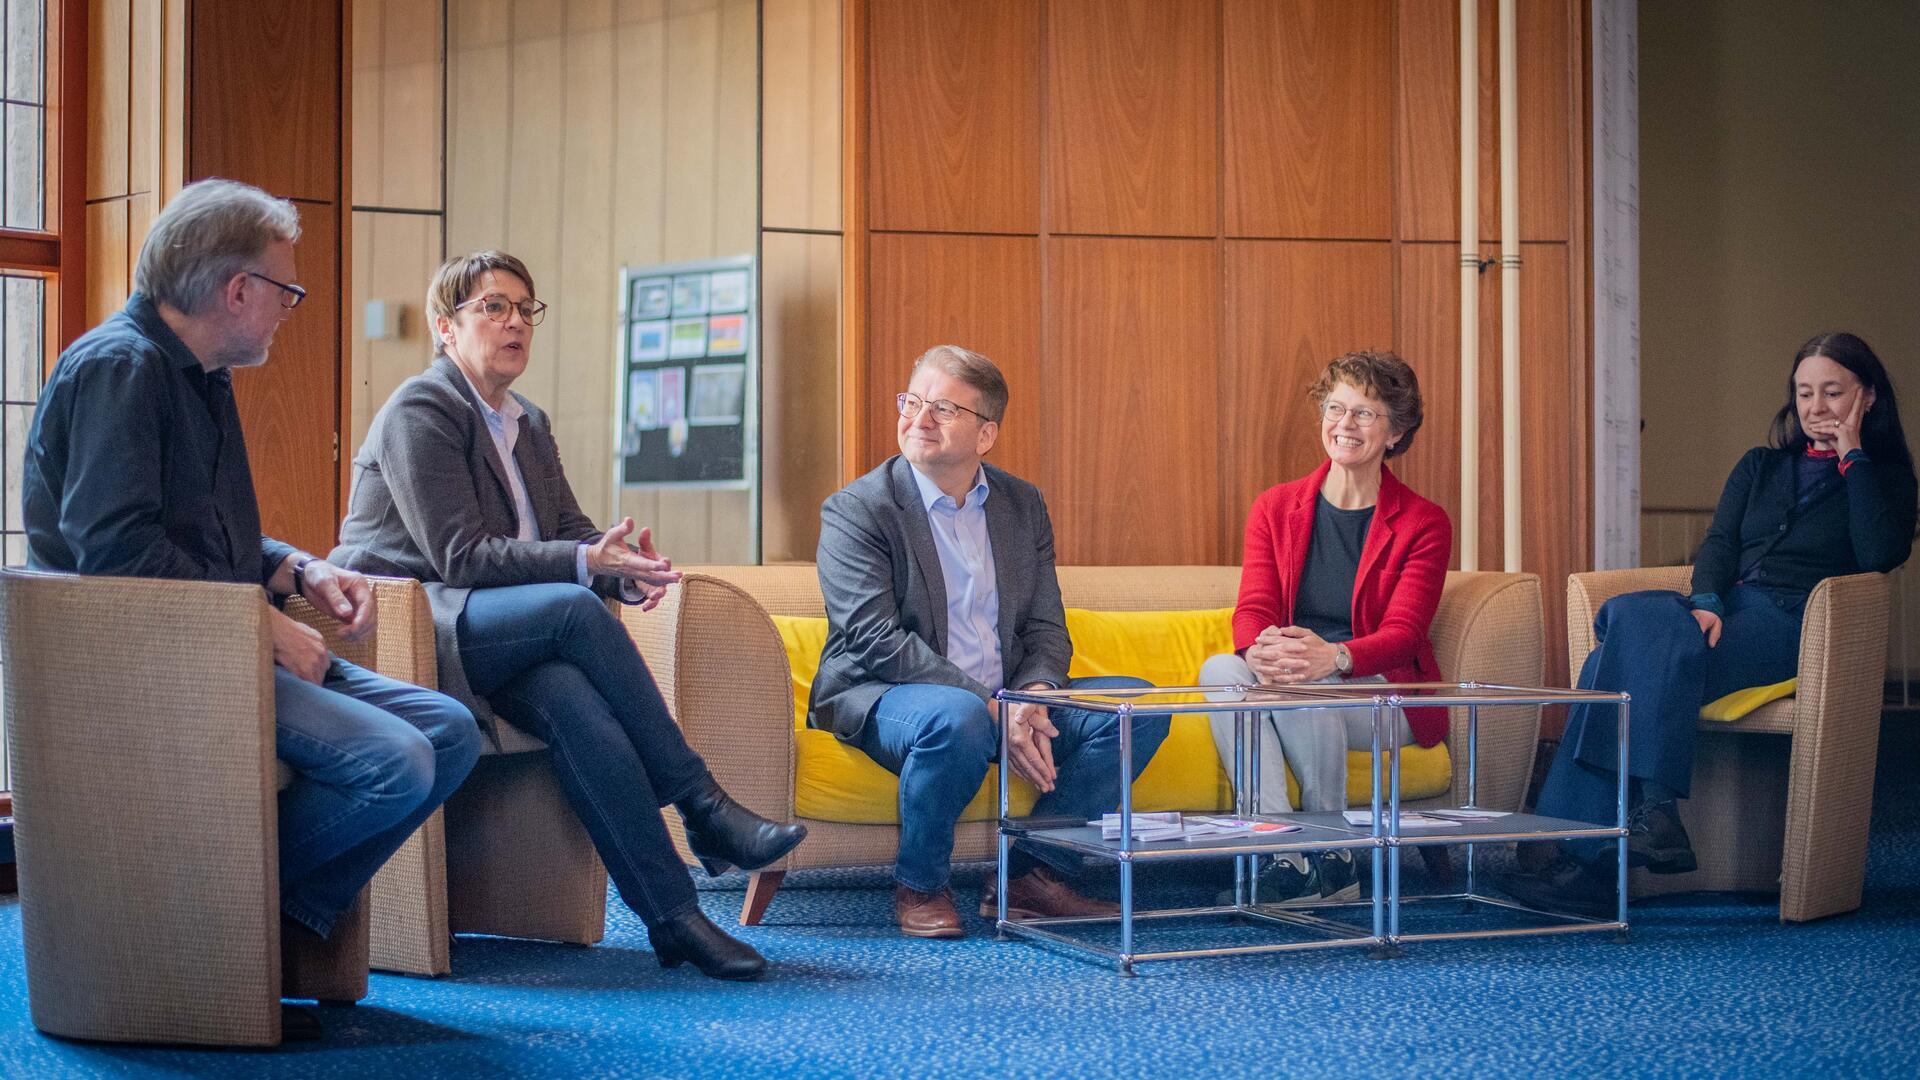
[1384, 838]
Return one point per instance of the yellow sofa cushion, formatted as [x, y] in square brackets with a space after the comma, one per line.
[1741, 702]
[837, 782]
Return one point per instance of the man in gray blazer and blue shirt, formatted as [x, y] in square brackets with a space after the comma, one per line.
[937, 571]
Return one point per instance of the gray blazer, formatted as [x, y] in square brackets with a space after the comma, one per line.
[431, 501]
[887, 601]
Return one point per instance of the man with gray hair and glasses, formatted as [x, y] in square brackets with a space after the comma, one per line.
[136, 466]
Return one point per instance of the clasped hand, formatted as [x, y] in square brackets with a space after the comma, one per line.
[1290, 654]
[1030, 735]
[343, 594]
[638, 562]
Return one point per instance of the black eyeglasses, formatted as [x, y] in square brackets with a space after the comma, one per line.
[944, 412]
[499, 308]
[294, 293]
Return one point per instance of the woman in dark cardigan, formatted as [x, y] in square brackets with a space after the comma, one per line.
[460, 485]
[1832, 494]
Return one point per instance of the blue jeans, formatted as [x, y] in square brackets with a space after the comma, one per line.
[1651, 647]
[553, 660]
[940, 740]
[373, 758]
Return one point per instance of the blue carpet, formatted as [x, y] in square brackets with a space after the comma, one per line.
[1710, 985]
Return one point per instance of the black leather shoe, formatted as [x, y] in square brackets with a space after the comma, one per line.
[299, 1024]
[1657, 840]
[692, 938]
[1567, 885]
[723, 834]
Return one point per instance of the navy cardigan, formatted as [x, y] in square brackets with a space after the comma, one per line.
[1759, 536]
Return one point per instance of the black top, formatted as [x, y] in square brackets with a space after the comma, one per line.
[136, 465]
[1786, 533]
[1325, 603]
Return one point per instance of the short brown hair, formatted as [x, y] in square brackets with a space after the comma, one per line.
[973, 369]
[1380, 375]
[458, 276]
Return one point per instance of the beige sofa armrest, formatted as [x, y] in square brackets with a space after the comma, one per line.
[1488, 629]
[140, 721]
[719, 662]
[401, 645]
[1587, 592]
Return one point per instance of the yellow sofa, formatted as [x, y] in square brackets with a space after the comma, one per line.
[734, 649]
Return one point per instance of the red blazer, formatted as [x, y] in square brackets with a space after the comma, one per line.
[1403, 566]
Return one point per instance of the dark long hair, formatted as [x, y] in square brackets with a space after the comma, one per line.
[1880, 433]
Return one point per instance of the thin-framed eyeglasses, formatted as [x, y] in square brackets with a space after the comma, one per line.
[499, 308]
[291, 294]
[944, 412]
[1335, 412]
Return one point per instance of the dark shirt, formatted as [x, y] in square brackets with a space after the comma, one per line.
[136, 465]
[1785, 526]
[1325, 604]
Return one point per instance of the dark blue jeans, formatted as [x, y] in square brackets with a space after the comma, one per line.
[553, 660]
[373, 758]
[940, 741]
[1651, 647]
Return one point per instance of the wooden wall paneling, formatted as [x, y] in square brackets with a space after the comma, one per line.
[1428, 338]
[289, 404]
[142, 208]
[144, 99]
[800, 123]
[582, 348]
[954, 94]
[736, 181]
[410, 113]
[800, 401]
[1291, 306]
[1132, 117]
[109, 41]
[107, 268]
[1133, 337]
[692, 139]
[534, 174]
[1557, 518]
[856, 161]
[1427, 179]
[172, 93]
[980, 292]
[369, 60]
[478, 144]
[1309, 118]
[639, 141]
[393, 257]
[283, 133]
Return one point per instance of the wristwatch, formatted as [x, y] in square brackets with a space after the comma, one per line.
[1342, 660]
[300, 574]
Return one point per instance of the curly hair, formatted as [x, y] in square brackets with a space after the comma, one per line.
[1380, 375]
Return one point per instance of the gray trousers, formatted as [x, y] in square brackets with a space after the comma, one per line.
[1313, 742]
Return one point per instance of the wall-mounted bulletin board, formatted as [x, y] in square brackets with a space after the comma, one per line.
[689, 401]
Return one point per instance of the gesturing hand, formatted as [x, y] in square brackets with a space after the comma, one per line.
[344, 594]
[613, 556]
[298, 647]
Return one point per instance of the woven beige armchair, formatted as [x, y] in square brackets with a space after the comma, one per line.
[140, 723]
[1782, 796]
[505, 856]
[720, 664]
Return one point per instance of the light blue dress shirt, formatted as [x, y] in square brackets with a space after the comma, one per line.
[504, 425]
[966, 565]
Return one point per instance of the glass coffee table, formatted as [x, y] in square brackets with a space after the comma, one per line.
[1373, 923]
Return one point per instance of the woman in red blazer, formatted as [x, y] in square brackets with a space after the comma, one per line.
[1342, 573]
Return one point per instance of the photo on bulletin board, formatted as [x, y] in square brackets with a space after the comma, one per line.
[652, 298]
[643, 400]
[727, 290]
[648, 341]
[689, 339]
[673, 396]
[726, 335]
[690, 294]
[718, 392]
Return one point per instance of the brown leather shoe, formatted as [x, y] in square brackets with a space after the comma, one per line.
[923, 914]
[1039, 894]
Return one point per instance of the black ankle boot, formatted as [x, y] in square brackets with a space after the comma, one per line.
[1658, 841]
[723, 834]
[692, 938]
